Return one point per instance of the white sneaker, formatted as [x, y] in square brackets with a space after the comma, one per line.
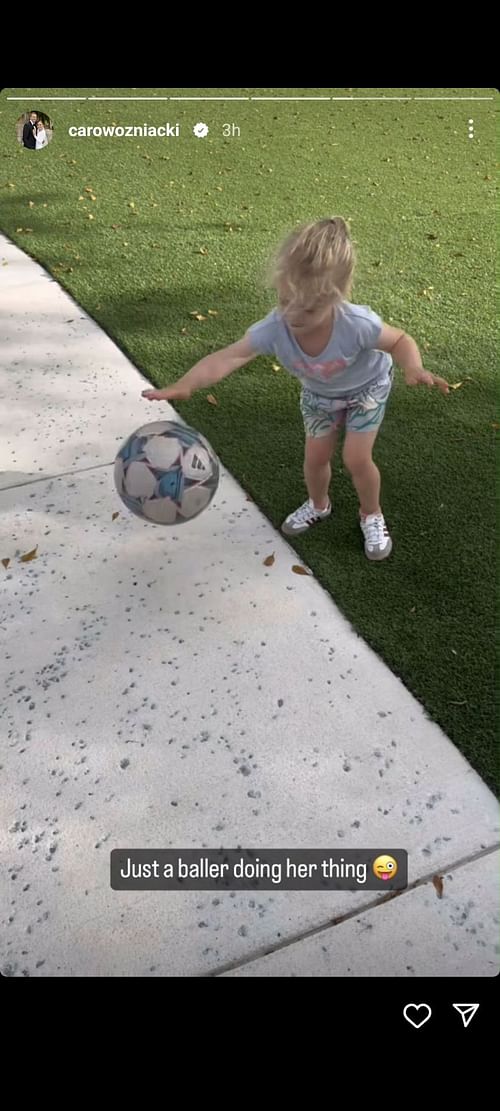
[378, 544]
[302, 519]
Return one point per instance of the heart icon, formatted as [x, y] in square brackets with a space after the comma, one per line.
[413, 1009]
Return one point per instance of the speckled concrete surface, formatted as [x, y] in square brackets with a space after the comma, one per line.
[67, 394]
[163, 688]
[461, 924]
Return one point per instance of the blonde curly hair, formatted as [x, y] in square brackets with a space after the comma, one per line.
[315, 263]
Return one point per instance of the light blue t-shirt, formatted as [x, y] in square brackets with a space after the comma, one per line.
[349, 362]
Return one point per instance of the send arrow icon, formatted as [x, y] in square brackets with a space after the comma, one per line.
[466, 1011]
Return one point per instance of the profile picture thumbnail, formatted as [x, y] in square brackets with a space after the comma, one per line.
[34, 130]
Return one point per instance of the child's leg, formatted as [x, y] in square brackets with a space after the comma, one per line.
[321, 429]
[366, 479]
[365, 416]
[317, 469]
[323, 418]
[364, 473]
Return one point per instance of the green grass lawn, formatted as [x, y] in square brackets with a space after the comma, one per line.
[185, 225]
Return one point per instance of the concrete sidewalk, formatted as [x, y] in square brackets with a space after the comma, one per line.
[163, 688]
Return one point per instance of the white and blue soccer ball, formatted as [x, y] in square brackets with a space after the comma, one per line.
[166, 473]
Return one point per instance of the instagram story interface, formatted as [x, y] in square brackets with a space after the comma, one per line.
[248, 503]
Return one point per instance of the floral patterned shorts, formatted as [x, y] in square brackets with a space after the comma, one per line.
[361, 412]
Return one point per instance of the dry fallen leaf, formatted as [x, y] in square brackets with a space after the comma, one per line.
[131, 204]
[201, 251]
[198, 315]
[30, 555]
[212, 399]
[184, 332]
[276, 366]
[89, 217]
[438, 884]
[495, 424]
[455, 385]
[115, 226]
[269, 561]
[115, 515]
[300, 570]
[31, 204]
[5, 563]
[213, 312]
[88, 189]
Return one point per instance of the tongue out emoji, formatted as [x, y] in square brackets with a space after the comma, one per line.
[385, 867]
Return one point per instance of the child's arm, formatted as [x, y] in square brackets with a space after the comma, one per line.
[406, 353]
[207, 372]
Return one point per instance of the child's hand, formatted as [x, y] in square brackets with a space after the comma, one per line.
[171, 393]
[424, 378]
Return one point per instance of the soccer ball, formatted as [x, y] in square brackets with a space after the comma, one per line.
[166, 473]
